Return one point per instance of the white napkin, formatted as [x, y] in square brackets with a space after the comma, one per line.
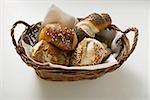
[113, 40]
[116, 44]
[56, 15]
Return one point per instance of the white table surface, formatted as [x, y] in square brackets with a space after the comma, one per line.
[129, 82]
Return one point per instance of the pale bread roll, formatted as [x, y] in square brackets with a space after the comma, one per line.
[89, 52]
[46, 52]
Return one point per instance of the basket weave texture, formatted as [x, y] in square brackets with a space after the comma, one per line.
[59, 74]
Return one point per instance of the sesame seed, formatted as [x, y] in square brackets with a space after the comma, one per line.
[68, 34]
[52, 39]
[47, 33]
[65, 28]
[68, 31]
[59, 34]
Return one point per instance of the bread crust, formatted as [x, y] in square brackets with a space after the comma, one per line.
[93, 23]
[46, 52]
[60, 36]
[89, 52]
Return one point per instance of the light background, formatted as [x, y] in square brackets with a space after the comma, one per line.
[19, 82]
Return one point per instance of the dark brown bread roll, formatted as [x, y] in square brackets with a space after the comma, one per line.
[60, 36]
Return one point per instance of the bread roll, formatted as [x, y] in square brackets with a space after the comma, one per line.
[92, 24]
[45, 52]
[62, 37]
[89, 52]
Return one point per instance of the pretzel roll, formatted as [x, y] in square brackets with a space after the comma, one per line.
[60, 36]
[93, 24]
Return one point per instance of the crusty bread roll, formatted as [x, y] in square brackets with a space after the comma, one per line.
[89, 52]
[92, 24]
[45, 52]
[60, 36]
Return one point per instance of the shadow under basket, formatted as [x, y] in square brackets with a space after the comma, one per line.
[60, 74]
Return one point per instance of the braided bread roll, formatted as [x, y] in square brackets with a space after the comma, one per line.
[92, 24]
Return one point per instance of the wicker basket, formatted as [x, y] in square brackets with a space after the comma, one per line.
[60, 74]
